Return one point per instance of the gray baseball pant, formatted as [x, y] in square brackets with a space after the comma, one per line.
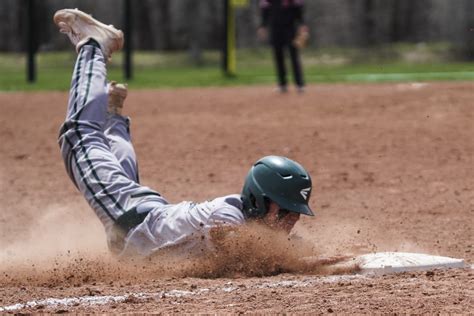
[98, 153]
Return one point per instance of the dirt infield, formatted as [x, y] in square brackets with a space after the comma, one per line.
[392, 166]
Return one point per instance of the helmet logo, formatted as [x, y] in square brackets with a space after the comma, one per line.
[304, 193]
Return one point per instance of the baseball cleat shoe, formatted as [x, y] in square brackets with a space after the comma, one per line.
[117, 95]
[301, 89]
[81, 27]
[282, 89]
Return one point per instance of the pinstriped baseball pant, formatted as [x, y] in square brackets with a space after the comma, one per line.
[96, 147]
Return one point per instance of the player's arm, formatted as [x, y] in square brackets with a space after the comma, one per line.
[299, 12]
[226, 220]
[265, 8]
[302, 32]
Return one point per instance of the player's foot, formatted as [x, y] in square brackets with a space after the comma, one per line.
[81, 27]
[300, 89]
[117, 95]
[282, 89]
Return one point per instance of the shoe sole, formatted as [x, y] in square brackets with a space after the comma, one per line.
[65, 15]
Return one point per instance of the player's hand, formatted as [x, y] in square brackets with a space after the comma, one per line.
[262, 33]
[302, 36]
[324, 261]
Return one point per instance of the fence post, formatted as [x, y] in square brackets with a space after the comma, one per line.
[225, 39]
[127, 62]
[30, 41]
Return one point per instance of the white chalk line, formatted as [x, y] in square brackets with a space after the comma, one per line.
[228, 287]
[98, 300]
[89, 301]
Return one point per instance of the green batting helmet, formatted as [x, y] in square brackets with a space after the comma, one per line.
[277, 179]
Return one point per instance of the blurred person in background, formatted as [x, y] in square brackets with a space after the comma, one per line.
[282, 23]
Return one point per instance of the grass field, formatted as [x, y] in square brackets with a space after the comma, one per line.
[174, 69]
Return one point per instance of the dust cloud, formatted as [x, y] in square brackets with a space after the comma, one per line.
[254, 250]
[55, 232]
[55, 240]
[63, 250]
[336, 236]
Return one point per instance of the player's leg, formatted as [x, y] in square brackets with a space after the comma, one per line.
[297, 67]
[86, 151]
[117, 131]
[88, 94]
[279, 58]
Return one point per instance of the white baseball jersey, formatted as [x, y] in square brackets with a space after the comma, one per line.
[184, 226]
[100, 160]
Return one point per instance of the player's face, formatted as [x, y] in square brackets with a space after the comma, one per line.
[280, 219]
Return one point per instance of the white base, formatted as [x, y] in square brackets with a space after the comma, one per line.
[393, 262]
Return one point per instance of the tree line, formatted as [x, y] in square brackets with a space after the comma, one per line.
[198, 24]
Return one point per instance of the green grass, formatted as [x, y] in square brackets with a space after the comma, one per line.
[157, 70]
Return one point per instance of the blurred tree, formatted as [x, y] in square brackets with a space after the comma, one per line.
[468, 47]
[369, 22]
[165, 26]
[143, 26]
[401, 19]
[197, 24]
[409, 20]
[195, 31]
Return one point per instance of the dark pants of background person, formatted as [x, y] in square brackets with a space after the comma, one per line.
[279, 55]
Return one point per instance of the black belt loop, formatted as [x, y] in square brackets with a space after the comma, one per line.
[130, 219]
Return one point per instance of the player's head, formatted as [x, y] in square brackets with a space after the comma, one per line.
[279, 180]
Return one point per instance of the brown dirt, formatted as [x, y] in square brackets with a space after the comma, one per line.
[392, 166]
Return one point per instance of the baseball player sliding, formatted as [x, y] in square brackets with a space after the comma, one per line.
[100, 160]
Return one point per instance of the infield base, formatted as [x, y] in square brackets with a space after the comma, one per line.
[393, 262]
